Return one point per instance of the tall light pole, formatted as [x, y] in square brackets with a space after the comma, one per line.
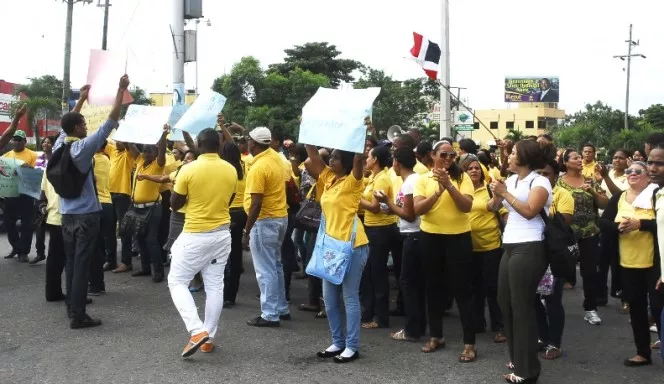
[445, 123]
[177, 32]
[66, 83]
[630, 43]
[104, 37]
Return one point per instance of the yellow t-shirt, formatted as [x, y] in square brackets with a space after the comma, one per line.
[378, 182]
[102, 176]
[562, 202]
[267, 177]
[26, 155]
[248, 159]
[444, 217]
[637, 248]
[238, 201]
[485, 230]
[171, 166]
[121, 166]
[209, 182]
[147, 191]
[172, 176]
[487, 175]
[589, 170]
[339, 204]
[495, 174]
[53, 203]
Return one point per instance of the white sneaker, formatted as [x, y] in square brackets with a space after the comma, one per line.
[592, 317]
[653, 328]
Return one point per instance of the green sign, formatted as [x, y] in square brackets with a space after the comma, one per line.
[464, 127]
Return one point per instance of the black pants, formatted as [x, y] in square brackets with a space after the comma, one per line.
[79, 233]
[604, 266]
[375, 285]
[588, 260]
[149, 243]
[106, 231]
[449, 258]
[121, 204]
[234, 266]
[636, 284]
[485, 288]
[55, 263]
[20, 208]
[551, 318]
[413, 287]
[40, 238]
[314, 284]
[288, 258]
[164, 223]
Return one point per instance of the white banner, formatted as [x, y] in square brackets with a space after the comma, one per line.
[143, 124]
[203, 113]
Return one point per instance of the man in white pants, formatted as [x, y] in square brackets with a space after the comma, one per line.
[205, 188]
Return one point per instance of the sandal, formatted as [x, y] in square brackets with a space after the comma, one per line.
[371, 325]
[512, 378]
[499, 338]
[552, 353]
[510, 366]
[656, 345]
[468, 355]
[401, 336]
[433, 344]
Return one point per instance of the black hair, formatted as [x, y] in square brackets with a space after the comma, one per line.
[347, 159]
[373, 141]
[484, 159]
[405, 157]
[326, 158]
[231, 153]
[406, 141]
[546, 136]
[208, 141]
[52, 139]
[454, 170]
[531, 137]
[277, 136]
[468, 146]
[70, 120]
[193, 153]
[423, 148]
[530, 154]
[655, 138]
[625, 152]
[383, 156]
[565, 158]
[448, 139]
[589, 145]
[301, 152]
[469, 160]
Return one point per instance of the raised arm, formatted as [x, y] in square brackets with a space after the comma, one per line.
[85, 90]
[190, 142]
[314, 164]
[115, 112]
[358, 166]
[161, 146]
[226, 135]
[9, 133]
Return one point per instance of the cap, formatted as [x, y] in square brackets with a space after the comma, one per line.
[20, 134]
[261, 135]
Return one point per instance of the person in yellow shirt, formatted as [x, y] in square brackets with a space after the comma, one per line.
[49, 203]
[172, 164]
[267, 222]
[21, 207]
[341, 186]
[106, 241]
[207, 187]
[123, 160]
[486, 232]
[443, 199]
[146, 200]
[589, 164]
[383, 233]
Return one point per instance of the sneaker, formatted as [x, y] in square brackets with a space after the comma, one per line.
[592, 317]
[194, 343]
[207, 347]
[653, 329]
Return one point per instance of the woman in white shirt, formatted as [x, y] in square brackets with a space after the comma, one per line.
[525, 194]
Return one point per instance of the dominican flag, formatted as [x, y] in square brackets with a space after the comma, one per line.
[427, 55]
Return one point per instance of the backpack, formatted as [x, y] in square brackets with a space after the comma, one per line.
[562, 249]
[62, 173]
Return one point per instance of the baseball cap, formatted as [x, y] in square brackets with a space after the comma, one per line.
[20, 134]
[261, 135]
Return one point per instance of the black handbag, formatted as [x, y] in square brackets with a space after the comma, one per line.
[135, 223]
[308, 216]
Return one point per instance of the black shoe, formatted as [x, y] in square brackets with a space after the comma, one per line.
[158, 277]
[326, 354]
[86, 322]
[229, 304]
[141, 273]
[341, 360]
[96, 292]
[285, 317]
[37, 259]
[23, 258]
[602, 302]
[11, 255]
[53, 298]
[261, 322]
[634, 363]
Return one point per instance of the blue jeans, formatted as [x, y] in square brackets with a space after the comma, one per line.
[350, 288]
[265, 241]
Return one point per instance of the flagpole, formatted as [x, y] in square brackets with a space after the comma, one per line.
[445, 129]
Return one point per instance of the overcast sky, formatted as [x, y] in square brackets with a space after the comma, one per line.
[489, 39]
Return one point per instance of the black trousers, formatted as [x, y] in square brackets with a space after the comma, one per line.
[40, 238]
[636, 284]
[551, 318]
[485, 288]
[151, 252]
[106, 231]
[234, 266]
[20, 208]
[164, 223]
[314, 284]
[121, 204]
[79, 233]
[375, 285]
[449, 258]
[55, 263]
[413, 287]
[588, 260]
[288, 257]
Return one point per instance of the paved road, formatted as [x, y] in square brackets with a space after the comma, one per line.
[142, 337]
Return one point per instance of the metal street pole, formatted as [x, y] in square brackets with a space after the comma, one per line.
[630, 43]
[198, 21]
[445, 71]
[177, 31]
[104, 38]
[67, 66]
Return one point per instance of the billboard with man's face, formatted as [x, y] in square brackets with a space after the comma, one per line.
[532, 89]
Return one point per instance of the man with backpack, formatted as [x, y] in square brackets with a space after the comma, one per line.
[70, 173]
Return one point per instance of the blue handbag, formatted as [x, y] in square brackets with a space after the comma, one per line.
[331, 257]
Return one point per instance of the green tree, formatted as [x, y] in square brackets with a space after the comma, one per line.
[43, 96]
[514, 135]
[240, 87]
[140, 98]
[654, 115]
[318, 58]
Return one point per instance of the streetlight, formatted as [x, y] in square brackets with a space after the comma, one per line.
[209, 24]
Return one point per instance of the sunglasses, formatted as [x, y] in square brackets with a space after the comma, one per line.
[447, 155]
[636, 172]
[655, 163]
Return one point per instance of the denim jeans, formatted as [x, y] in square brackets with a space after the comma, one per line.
[20, 208]
[265, 242]
[79, 234]
[350, 289]
[149, 243]
[104, 240]
[121, 203]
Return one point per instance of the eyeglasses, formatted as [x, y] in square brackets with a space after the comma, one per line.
[655, 163]
[447, 155]
[637, 172]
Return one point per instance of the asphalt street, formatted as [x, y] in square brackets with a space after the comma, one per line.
[142, 337]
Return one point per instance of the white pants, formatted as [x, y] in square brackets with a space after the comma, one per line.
[206, 253]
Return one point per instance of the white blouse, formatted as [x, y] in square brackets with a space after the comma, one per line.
[518, 229]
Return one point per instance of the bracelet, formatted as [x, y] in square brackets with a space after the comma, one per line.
[513, 201]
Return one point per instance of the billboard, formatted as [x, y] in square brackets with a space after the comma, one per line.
[532, 89]
[463, 121]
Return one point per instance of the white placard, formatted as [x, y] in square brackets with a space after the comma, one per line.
[143, 124]
[202, 113]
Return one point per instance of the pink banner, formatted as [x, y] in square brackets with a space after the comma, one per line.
[104, 72]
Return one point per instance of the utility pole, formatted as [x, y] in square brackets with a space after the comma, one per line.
[177, 32]
[445, 129]
[630, 43]
[104, 38]
[66, 83]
